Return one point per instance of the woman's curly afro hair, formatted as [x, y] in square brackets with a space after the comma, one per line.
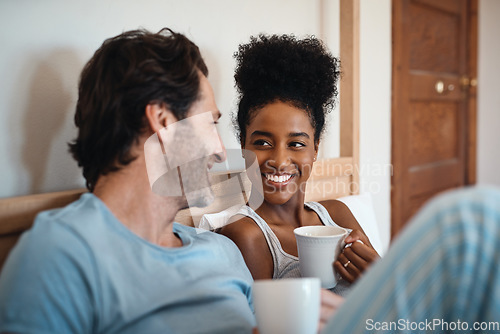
[301, 72]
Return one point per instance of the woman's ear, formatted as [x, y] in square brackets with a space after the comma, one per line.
[316, 147]
[159, 116]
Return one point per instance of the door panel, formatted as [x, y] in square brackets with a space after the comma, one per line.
[434, 38]
[434, 132]
[430, 107]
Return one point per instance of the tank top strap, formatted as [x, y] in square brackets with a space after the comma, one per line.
[322, 213]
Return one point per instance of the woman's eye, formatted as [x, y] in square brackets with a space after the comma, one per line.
[261, 142]
[297, 144]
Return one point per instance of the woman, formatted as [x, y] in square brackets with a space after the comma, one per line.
[286, 86]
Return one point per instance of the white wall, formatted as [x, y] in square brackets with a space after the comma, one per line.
[488, 100]
[375, 108]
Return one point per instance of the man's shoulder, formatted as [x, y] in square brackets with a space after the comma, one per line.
[57, 228]
[51, 244]
[80, 209]
[76, 217]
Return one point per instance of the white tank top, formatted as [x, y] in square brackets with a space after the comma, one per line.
[287, 265]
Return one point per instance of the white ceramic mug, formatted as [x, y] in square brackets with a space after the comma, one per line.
[319, 247]
[287, 306]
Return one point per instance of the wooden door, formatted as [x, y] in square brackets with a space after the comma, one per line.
[433, 101]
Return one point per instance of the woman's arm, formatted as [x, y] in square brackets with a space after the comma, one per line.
[253, 246]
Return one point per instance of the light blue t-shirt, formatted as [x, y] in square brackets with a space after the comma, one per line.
[79, 270]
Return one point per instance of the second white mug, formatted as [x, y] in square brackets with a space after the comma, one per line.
[287, 306]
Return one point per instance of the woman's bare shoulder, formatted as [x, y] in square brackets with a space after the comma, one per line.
[241, 229]
[341, 214]
[334, 204]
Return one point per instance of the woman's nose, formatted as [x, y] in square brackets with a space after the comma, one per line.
[280, 158]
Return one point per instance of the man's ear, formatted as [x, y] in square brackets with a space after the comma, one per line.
[159, 116]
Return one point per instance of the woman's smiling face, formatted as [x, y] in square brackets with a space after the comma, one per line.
[282, 138]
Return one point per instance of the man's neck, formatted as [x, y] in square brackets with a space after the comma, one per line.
[129, 197]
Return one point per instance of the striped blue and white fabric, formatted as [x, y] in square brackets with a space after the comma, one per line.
[442, 275]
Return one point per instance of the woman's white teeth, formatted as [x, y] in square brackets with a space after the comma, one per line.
[278, 178]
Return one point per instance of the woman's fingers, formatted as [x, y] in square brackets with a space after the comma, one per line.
[361, 262]
[356, 235]
[339, 268]
[346, 268]
[354, 260]
[356, 257]
[363, 251]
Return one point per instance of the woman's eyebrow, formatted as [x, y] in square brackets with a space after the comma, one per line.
[261, 133]
[290, 135]
[298, 134]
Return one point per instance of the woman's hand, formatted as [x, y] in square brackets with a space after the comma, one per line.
[356, 257]
[330, 303]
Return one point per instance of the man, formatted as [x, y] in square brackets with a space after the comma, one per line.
[114, 261]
